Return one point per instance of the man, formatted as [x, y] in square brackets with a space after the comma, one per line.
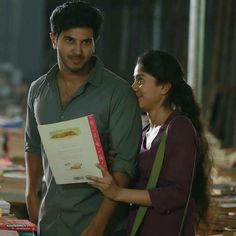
[79, 85]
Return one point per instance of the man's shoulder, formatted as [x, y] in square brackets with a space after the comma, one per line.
[111, 78]
[107, 77]
[38, 85]
[45, 78]
[39, 81]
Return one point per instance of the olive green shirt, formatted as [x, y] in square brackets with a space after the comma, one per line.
[68, 209]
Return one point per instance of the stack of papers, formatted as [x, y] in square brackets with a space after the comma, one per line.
[5, 206]
[6, 122]
[12, 168]
[13, 172]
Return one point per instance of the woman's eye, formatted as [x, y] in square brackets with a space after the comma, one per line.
[140, 81]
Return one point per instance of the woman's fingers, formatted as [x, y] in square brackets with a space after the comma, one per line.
[105, 172]
[100, 167]
[105, 184]
[96, 185]
[95, 178]
[106, 179]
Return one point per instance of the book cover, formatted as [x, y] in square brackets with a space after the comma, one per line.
[73, 148]
[17, 225]
[4, 232]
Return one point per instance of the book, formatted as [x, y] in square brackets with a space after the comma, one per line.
[17, 225]
[73, 148]
[4, 207]
[4, 232]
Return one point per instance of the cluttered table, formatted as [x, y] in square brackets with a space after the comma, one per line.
[12, 169]
[222, 212]
[13, 188]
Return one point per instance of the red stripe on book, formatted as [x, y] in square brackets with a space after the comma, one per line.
[17, 224]
[97, 142]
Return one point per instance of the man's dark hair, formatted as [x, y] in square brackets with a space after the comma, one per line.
[74, 14]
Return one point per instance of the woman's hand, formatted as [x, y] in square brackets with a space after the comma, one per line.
[109, 187]
[107, 184]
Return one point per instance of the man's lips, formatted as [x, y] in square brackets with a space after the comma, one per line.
[76, 59]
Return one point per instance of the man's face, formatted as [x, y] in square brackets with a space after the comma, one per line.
[74, 49]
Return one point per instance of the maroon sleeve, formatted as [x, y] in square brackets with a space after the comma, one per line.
[176, 173]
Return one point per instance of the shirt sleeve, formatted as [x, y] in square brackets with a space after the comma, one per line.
[32, 138]
[175, 178]
[125, 131]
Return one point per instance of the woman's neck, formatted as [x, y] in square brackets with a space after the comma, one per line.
[159, 116]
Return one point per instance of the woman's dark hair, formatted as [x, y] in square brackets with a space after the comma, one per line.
[165, 68]
[74, 14]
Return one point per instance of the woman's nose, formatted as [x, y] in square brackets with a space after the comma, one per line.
[134, 86]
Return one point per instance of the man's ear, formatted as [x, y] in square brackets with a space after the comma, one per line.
[166, 88]
[95, 44]
[53, 38]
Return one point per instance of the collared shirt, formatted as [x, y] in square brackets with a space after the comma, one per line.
[117, 116]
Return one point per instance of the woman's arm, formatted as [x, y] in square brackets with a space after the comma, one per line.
[108, 186]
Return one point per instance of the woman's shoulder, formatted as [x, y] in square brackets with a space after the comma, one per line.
[181, 123]
[181, 131]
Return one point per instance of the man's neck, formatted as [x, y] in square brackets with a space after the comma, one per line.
[79, 77]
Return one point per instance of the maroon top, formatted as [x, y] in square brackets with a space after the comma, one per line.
[170, 195]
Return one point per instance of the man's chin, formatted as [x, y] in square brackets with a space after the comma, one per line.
[82, 68]
[76, 69]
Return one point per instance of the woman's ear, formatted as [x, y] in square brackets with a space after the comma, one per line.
[166, 88]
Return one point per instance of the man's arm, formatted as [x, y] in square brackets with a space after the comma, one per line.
[34, 174]
[107, 207]
[125, 137]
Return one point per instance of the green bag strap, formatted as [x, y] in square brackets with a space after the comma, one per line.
[155, 172]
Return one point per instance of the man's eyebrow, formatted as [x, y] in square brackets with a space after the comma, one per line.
[71, 37]
[67, 36]
[89, 38]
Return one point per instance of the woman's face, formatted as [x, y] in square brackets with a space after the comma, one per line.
[150, 94]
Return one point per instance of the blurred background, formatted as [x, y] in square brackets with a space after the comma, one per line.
[131, 27]
[200, 33]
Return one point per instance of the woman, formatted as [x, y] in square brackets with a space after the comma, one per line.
[168, 101]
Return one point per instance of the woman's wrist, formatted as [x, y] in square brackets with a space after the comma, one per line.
[118, 195]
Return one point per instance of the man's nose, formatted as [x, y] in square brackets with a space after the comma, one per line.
[78, 48]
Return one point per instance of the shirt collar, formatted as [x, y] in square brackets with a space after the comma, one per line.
[96, 75]
[51, 74]
[95, 78]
